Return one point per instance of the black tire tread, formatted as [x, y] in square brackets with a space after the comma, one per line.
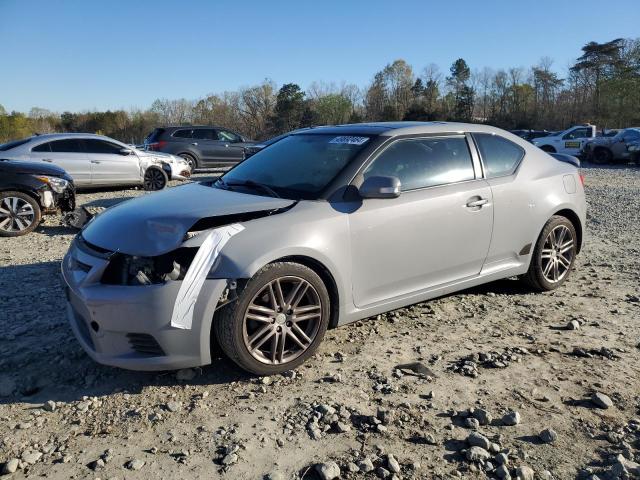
[534, 278]
[164, 174]
[231, 345]
[36, 209]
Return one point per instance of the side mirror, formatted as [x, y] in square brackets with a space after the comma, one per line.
[380, 187]
[125, 151]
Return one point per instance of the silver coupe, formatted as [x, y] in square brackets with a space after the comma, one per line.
[321, 228]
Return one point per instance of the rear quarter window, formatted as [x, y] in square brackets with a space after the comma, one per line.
[184, 133]
[500, 156]
[43, 147]
[155, 135]
[16, 143]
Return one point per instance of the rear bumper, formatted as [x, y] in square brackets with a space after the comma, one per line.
[130, 326]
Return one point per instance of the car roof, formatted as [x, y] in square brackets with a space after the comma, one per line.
[399, 128]
[58, 136]
[180, 127]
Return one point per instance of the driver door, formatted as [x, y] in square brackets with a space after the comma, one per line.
[572, 142]
[436, 232]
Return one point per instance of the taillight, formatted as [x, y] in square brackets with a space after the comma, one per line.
[581, 179]
[157, 146]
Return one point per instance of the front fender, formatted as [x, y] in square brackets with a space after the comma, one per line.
[311, 229]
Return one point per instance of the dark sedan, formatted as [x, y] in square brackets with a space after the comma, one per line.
[27, 191]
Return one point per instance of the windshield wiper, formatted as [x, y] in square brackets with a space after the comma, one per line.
[250, 183]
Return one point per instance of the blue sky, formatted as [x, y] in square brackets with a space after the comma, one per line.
[85, 55]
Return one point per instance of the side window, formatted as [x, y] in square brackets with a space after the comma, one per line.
[182, 133]
[577, 133]
[43, 147]
[226, 136]
[100, 146]
[425, 162]
[205, 134]
[500, 156]
[630, 135]
[69, 145]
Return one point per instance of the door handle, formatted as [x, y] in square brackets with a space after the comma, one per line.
[95, 161]
[195, 143]
[477, 203]
[48, 160]
[226, 145]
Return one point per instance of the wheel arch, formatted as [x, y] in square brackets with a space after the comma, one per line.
[325, 275]
[573, 217]
[195, 156]
[32, 193]
[548, 148]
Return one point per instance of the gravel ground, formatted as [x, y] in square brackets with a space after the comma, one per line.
[493, 382]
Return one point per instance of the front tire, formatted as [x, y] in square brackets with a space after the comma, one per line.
[278, 320]
[553, 256]
[19, 214]
[601, 156]
[154, 179]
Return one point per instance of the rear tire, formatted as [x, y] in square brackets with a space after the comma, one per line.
[278, 320]
[601, 156]
[19, 214]
[553, 255]
[154, 179]
[191, 160]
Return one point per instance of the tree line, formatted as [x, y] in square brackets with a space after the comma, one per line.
[602, 86]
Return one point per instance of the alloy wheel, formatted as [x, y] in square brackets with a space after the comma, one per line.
[557, 254]
[190, 161]
[154, 179]
[16, 214]
[282, 320]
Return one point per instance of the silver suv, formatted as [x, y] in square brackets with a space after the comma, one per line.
[96, 160]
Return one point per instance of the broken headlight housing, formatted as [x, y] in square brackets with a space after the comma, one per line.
[56, 184]
[133, 270]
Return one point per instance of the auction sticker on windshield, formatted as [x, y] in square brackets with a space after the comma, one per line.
[350, 140]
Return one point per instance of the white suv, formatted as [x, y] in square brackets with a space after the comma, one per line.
[96, 160]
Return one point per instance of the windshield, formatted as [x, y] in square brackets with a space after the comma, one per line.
[296, 167]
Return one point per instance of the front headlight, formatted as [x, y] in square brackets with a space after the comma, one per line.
[57, 184]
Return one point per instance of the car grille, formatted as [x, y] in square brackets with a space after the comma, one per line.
[145, 344]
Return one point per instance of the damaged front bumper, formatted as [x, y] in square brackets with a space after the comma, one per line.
[51, 201]
[129, 326]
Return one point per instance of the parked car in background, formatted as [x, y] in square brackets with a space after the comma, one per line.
[531, 134]
[620, 147]
[27, 191]
[255, 148]
[96, 160]
[200, 146]
[569, 141]
[322, 228]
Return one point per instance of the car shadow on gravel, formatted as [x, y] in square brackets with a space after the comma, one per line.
[507, 286]
[41, 360]
[85, 378]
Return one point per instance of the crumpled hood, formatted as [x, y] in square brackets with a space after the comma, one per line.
[156, 223]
